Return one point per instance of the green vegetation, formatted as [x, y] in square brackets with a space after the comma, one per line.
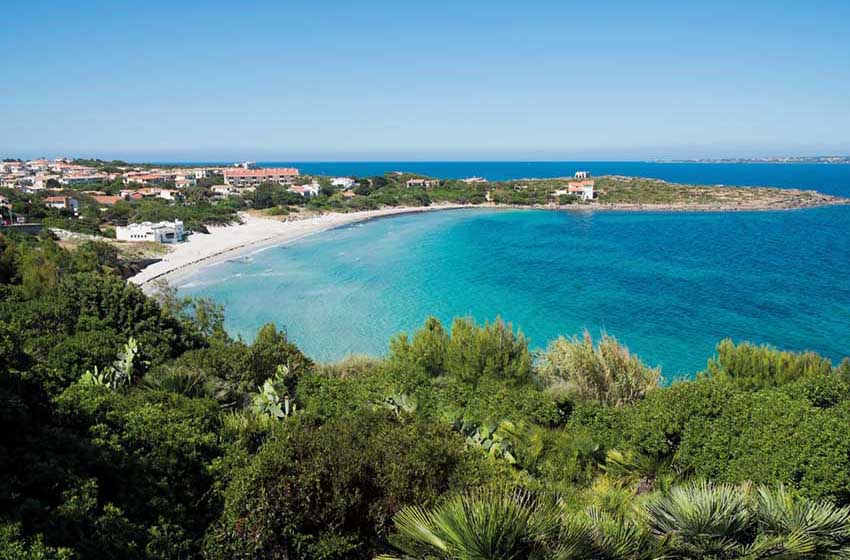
[637, 190]
[696, 520]
[194, 214]
[135, 427]
[200, 206]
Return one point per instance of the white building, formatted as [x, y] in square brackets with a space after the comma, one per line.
[581, 189]
[344, 183]
[224, 190]
[161, 232]
[581, 175]
[307, 191]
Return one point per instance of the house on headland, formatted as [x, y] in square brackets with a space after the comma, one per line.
[581, 189]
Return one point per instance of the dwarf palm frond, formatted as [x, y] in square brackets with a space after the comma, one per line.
[491, 524]
[619, 537]
[702, 520]
[797, 526]
[645, 472]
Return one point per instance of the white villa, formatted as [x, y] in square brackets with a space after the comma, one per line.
[307, 191]
[344, 182]
[161, 232]
[581, 175]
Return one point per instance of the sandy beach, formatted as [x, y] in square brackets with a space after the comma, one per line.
[254, 233]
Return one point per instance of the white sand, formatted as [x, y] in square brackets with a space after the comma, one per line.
[226, 241]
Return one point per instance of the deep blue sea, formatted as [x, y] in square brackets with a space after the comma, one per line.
[668, 285]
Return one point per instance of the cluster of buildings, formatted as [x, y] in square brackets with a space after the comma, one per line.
[245, 178]
[35, 175]
[40, 174]
[56, 177]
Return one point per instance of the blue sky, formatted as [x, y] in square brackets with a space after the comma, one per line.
[424, 80]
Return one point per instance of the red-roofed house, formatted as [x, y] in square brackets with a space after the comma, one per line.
[107, 200]
[581, 189]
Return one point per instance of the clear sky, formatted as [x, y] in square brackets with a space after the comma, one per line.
[463, 79]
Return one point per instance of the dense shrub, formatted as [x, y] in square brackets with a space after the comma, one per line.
[770, 437]
[604, 372]
[755, 367]
[112, 475]
[470, 353]
[330, 491]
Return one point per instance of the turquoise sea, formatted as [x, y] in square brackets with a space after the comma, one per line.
[668, 285]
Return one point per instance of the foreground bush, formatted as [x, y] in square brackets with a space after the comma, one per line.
[756, 367]
[330, 491]
[470, 353]
[606, 372]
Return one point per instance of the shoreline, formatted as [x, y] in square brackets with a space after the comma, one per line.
[226, 242]
[256, 233]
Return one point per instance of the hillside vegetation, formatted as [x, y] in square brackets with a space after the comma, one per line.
[135, 427]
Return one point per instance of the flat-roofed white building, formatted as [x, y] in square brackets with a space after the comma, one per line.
[307, 191]
[160, 232]
[344, 183]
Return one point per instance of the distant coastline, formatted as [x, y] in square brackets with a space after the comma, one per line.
[826, 160]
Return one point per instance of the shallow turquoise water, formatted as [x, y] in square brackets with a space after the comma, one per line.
[669, 285]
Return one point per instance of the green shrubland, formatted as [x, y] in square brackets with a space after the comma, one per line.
[136, 427]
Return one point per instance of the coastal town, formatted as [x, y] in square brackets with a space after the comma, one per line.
[153, 213]
[74, 191]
